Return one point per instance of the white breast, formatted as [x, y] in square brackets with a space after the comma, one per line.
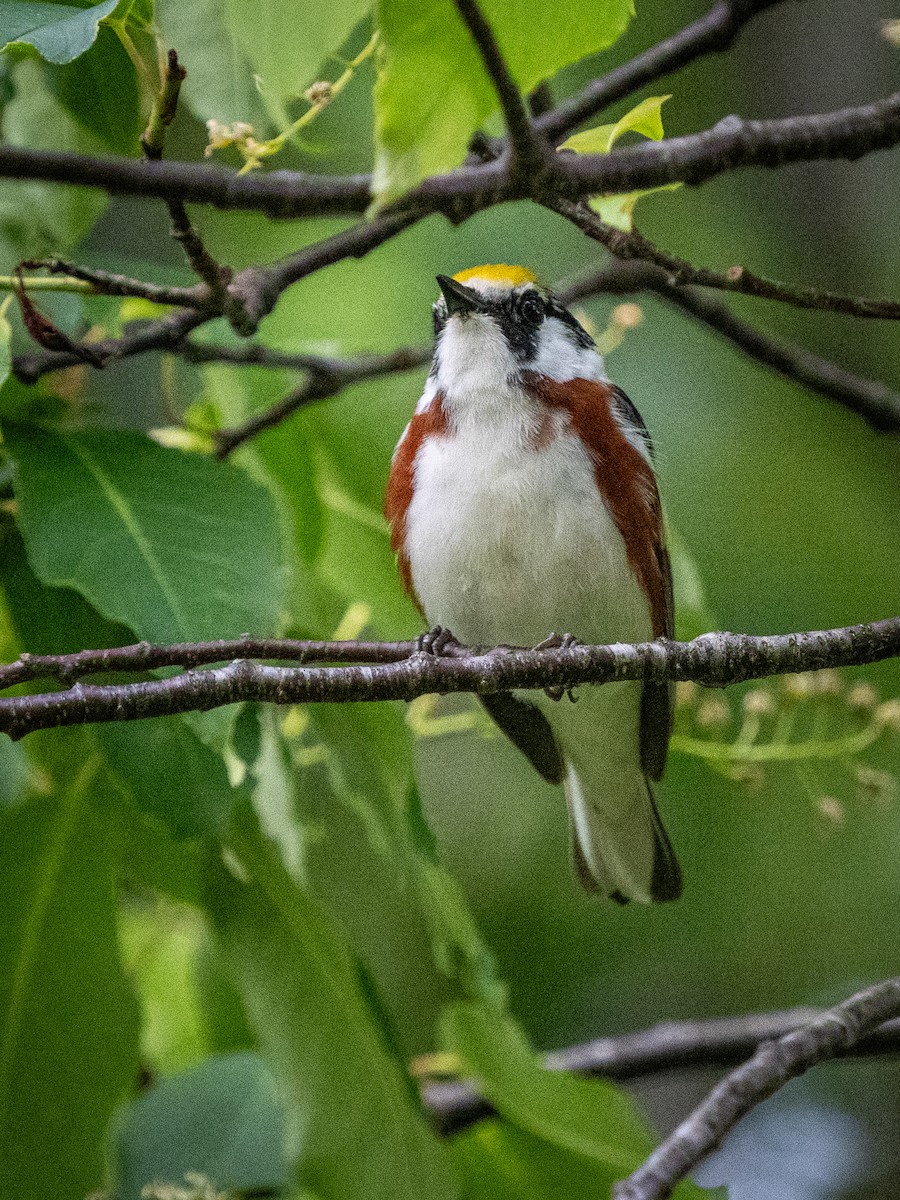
[508, 543]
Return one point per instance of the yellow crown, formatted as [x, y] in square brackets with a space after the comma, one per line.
[498, 273]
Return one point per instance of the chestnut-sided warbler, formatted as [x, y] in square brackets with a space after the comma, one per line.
[522, 499]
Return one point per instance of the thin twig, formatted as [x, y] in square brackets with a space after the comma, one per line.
[716, 660]
[874, 401]
[454, 1105]
[138, 338]
[526, 151]
[633, 245]
[326, 378]
[770, 1068]
[153, 141]
[713, 32]
[106, 283]
[257, 287]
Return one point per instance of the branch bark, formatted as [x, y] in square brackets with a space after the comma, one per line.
[454, 1105]
[695, 158]
[715, 659]
[770, 1068]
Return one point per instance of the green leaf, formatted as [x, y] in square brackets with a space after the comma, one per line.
[645, 118]
[5, 345]
[68, 1029]
[592, 1122]
[618, 211]
[591, 1118]
[286, 44]
[59, 32]
[160, 942]
[222, 1120]
[177, 547]
[433, 91]
[100, 90]
[499, 1161]
[353, 1125]
[371, 769]
[170, 773]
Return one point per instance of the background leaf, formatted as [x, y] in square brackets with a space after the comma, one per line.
[222, 1120]
[591, 1120]
[286, 44]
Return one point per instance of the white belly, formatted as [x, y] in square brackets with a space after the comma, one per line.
[508, 545]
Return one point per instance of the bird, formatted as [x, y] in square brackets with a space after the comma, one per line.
[522, 499]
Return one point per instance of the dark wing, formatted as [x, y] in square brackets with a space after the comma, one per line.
[657, 699]
[529, 731]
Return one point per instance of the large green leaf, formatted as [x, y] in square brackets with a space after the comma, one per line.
[68, 1030]
[592, 1122]
[59, 32]
[172, 544]
[171, 774]
[353, 1127]
[286, 44]
[222, 1120]
[433, 91]
[370, 763]
[100, 90]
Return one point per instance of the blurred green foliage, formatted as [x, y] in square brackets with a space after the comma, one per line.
[225, 936]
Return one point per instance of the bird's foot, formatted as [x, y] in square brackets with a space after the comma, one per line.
[436, 641]
[559, 641]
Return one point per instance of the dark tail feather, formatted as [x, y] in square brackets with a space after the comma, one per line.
[666, 881]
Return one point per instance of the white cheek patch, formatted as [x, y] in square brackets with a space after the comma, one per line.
[559, 358]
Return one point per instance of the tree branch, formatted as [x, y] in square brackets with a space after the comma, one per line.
[105, 283]
[326, 377]
[714, 31]
[716, 660]
[732, 143]
[454, 1105]
[527, 152]
[770, 1068]
[630, 245]
[140, 336]
[874, 401]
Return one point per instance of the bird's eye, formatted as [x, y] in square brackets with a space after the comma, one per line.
[531, 309]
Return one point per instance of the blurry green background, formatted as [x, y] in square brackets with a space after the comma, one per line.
[788, 505]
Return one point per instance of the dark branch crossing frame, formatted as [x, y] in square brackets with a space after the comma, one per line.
[524, 165]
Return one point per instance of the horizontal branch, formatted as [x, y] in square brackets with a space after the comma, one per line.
[773, 1065]
[454, 1105]
[630, 245]
[715, 659]
[875, 402]
[695, 158]
[107, 283]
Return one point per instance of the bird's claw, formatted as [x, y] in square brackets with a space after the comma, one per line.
[435, 641]
[559, 641]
